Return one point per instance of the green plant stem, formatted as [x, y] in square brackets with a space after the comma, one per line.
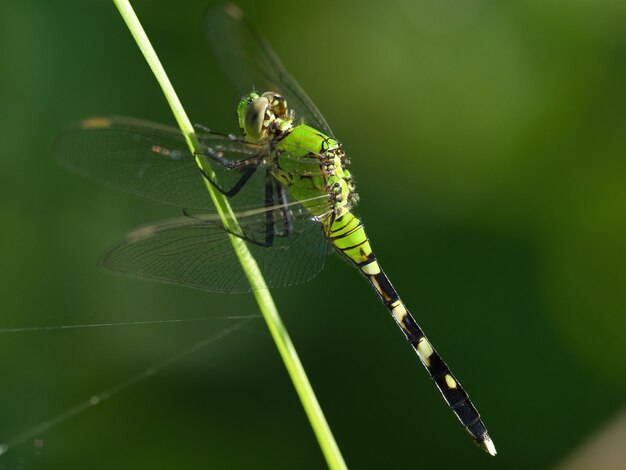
[257, 283]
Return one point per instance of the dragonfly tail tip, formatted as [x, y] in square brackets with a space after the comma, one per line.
[488, 446]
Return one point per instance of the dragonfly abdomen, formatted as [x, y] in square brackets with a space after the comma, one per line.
[348, 236]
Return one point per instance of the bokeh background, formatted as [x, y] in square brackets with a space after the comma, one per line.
[488, 139]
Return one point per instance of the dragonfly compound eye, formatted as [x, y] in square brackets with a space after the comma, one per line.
[254, 118]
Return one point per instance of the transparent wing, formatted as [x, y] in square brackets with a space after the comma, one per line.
[152, 160]
[249, 62]
[197, 252]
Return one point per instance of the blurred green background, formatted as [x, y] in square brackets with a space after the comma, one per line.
[488, 142]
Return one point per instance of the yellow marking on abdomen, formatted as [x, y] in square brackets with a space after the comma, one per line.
[424, 351]
[371, 269]
[450, 382]
[399, 312]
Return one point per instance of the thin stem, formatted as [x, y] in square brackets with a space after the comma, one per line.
[257, 283]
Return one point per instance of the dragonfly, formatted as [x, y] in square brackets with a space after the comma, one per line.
[286, 178]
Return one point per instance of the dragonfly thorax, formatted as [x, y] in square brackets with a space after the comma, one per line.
[308, 162]
[264, 118]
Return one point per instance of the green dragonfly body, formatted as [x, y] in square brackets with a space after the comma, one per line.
[265, 119]
[286, 177]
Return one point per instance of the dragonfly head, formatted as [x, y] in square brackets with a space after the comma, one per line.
[263, 117]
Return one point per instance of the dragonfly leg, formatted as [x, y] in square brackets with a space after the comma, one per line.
[230, 164]
[238, 235]
[269, 216]
[270, 222]
[247, 174]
